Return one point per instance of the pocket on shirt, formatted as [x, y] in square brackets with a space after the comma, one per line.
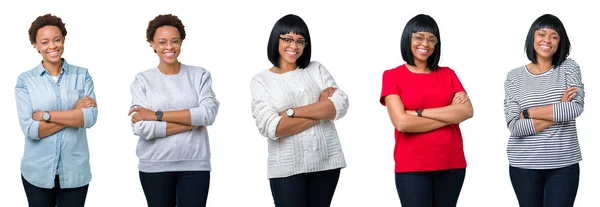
[73, 96]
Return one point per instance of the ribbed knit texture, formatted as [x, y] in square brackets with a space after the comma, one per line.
[314, 149]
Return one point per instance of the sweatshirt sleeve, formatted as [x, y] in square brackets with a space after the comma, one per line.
[517, 127]
[208, 106]
[145, 129]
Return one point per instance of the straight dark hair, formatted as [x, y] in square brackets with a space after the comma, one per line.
[549, 21]
[289, 24]
[421, 23]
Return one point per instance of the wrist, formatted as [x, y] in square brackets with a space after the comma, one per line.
[158, 115]
[419, 112]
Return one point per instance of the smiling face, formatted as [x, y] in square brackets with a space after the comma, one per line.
[422, 45]
[545, 43]
[49, 41]
[291, 47]
[167, 44]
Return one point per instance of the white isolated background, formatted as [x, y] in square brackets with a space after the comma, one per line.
[355, 40]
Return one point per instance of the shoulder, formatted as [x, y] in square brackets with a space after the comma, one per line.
[76, 69]
[261, 78]
[569, 65]
[30, 73]
[194, 69]
[516, 73]
[394, 72]
[314, 66]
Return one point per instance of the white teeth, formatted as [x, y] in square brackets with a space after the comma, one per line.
[422, 51]
[291, 53]
[169, 54]
[545, 47]
[52, 54]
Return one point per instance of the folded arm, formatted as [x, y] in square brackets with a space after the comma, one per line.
[406, 122]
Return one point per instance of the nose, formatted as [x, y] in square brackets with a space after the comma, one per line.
[169, 45]
[294, 44]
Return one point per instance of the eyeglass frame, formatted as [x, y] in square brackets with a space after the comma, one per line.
[164, 45]
[299, 43]
[417, 41]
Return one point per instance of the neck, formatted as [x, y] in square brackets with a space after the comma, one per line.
[53, 68]
[169, 69]
[544, 64]
[419, 67]
[285, 67]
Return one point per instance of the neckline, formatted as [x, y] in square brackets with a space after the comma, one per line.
[540, 74]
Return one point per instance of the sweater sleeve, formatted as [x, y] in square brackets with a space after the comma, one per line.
[518, 127]
[208, 106]
[339, 98]
[263, 110]
[567, 111]
[145, 129]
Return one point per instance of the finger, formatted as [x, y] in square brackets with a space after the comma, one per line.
[133, 110]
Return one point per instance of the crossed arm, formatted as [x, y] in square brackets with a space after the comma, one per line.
[144, 121]
[433, 118]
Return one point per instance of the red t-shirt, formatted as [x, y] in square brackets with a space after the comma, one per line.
[439, 149]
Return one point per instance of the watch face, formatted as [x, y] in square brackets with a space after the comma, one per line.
[290, 112]
[46, 116]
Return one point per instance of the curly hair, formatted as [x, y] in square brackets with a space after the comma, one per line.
[45, 20]
[164, 20]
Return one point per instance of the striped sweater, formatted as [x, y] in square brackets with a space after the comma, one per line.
[554, 147]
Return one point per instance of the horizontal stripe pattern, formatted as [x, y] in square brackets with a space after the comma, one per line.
[557, 146]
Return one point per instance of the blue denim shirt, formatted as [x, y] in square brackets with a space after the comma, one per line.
[65, 151]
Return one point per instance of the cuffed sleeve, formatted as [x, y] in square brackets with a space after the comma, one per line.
[150, 129]
[29, 126]
[339, 98]
[145, 129]
[208, 105]
[263, 111]
[567, 111]
[90, 115]
[517, 127]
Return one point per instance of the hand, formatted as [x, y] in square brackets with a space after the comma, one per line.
[460, 98]
[85, 102]
[326, 93]
[141, 114]
[38, 116]
[569, 94]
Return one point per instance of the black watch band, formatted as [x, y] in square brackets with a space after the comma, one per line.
[526, 113]
[419, 112]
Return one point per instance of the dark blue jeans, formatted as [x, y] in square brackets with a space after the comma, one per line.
[181, 189]
[427, 189]
[42, 197]
[305, 190]
[545, 188]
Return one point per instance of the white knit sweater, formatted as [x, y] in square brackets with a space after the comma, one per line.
[314, 149]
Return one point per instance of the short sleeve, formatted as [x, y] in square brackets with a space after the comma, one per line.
[389, 85]
[456, 84]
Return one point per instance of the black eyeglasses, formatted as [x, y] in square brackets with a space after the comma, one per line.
[289, 41]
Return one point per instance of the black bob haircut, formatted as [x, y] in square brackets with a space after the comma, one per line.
[548, 21]
[421, 23]
[289, 24]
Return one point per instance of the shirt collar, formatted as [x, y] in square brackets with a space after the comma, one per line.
[40, 68]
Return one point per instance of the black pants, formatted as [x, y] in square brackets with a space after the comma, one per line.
[433, 188]
[305, 190]
[181, 189]
[545, 188]
[43, 197]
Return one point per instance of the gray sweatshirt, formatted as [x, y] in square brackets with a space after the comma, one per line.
[188, 89]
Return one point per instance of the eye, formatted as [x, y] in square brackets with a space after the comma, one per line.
[44, 43]
[301, 42]
[555, 37]
[419, 38]
[175, 42]
[288, 40]
[162, 42]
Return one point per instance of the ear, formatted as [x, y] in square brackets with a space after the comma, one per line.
[36, 48]
[152, 45]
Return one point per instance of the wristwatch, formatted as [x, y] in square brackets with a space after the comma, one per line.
[419, 112]
[290, 112]
[526, 113]
[158, 115]
[46, 116]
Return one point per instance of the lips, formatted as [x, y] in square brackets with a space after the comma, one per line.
[545, 48]
[52, 54]
[169, 54]
[423, 51]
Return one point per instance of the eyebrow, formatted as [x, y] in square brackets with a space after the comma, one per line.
[288, 36]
